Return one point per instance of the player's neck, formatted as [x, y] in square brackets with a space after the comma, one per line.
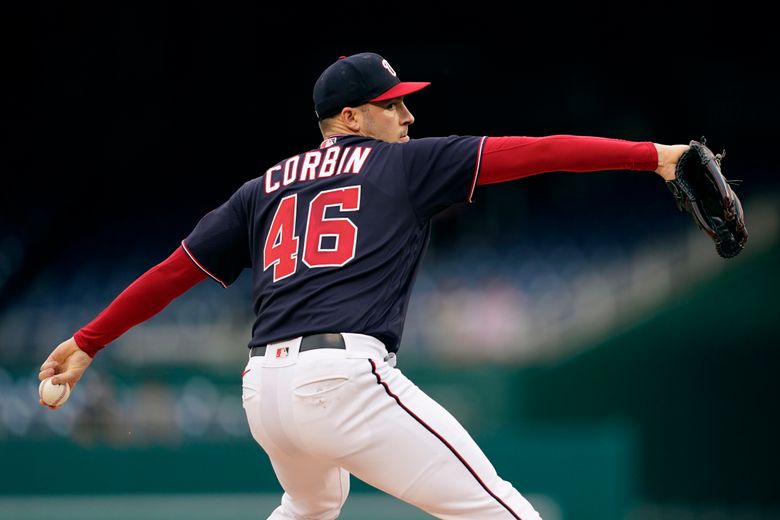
[335, 133]
[334, 127]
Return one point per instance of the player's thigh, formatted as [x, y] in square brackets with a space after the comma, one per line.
[314, 488]
[417, 451]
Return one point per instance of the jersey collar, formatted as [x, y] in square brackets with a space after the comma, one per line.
[330, 141]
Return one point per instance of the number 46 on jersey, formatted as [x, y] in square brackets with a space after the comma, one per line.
[281, 243]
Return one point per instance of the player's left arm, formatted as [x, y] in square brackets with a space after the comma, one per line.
[66, 363]
[509, 158]
[221, 239]
[141, 300]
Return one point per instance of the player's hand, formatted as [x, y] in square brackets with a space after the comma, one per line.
[66, 363]
[668, 155]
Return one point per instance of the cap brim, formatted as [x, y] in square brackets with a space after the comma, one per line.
[402, 89]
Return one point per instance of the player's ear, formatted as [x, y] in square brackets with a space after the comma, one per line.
[350, 117]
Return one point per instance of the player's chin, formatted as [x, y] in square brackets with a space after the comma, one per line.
[403, 139]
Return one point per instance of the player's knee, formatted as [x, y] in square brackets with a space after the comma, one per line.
[323, 506]
[290, 512]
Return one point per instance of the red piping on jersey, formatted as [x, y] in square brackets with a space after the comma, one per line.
[509, 158]
[195, 261]
[141, 300]
[477, 169]
[442, 439]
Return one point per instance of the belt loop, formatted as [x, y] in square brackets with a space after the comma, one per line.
[364, 346]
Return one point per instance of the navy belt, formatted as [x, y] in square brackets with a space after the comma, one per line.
[310, 343]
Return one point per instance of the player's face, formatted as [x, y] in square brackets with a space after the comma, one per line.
[386, 120]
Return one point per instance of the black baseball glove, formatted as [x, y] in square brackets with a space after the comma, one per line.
[701, 189]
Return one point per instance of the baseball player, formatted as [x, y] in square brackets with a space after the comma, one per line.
[333, 237]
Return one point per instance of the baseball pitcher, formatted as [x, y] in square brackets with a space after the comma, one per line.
[333, 237]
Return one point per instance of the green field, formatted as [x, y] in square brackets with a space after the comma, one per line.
[189, 507]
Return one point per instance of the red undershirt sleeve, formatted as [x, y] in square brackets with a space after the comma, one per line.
[141, 300]
[509, 158]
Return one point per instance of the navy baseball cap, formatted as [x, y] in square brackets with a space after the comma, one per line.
[357, 79]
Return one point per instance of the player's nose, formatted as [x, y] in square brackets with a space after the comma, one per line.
[406, 116]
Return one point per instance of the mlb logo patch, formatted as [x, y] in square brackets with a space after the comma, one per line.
[282, 352]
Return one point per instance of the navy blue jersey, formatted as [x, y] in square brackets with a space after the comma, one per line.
[334, 236]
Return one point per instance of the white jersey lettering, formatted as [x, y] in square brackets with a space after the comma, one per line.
[291, 170]
[269, 185]
[310, 162]
[316, 164]
[356, 160]
[328, 167]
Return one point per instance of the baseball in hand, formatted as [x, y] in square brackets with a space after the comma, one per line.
[53, 395]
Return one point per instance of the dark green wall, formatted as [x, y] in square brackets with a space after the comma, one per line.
[699, 380]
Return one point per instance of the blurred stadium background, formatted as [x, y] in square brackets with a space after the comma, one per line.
[610, 364]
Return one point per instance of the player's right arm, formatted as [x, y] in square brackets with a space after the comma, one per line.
[442, 171]
[509, 158]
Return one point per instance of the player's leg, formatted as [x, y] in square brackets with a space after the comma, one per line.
[418, 452]
[365, 416]
[314, 489]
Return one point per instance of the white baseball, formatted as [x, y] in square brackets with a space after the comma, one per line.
[53, 395]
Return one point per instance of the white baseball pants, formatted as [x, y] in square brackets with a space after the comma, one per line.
[323, 414]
